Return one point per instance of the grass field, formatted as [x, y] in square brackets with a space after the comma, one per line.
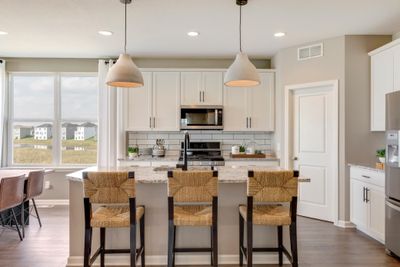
[73, 152]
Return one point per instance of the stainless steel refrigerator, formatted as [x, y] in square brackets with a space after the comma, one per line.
[392, 235]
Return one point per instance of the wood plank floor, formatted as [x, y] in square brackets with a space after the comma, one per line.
[320, 245]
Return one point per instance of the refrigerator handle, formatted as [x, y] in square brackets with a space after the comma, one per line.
[390, 205]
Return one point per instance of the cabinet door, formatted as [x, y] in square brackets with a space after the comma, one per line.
[166, 101]
[382, 68]
[396, 68]
[358, 207]
[235, 109]
[191, 83]
[212, 86]
[376, 214]
[139, 108]
[261, 104]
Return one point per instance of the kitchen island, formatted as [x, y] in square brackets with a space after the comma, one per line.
[151, 191]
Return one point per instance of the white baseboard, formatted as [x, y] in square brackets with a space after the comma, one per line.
[52, 202]
[161, 260]
[345, 224]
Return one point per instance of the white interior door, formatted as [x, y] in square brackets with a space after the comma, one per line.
[315, 146]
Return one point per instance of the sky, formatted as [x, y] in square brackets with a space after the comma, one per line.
[34, 97]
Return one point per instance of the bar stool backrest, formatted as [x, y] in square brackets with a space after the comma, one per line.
[193, 186]
[34, 186]
[272, 186]
[11, 192]
[109, 187]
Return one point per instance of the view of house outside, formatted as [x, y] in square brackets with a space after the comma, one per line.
[32, 143]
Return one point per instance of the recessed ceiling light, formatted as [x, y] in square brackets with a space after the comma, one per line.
[3, 33]
[279, 34]
[105, 33]
[193, 34]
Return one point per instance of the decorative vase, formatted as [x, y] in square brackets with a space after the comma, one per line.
[381, 159]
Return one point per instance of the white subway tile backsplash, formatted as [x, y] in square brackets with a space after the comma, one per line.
[228, 139]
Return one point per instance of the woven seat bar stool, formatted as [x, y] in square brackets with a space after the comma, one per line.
[264, 188]
[116, 193]
[192, 201]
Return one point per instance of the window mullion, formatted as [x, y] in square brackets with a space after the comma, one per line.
[57, 121]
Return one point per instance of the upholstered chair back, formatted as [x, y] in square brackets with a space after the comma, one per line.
[34, 186]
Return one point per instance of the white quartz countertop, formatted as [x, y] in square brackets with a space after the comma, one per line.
[232, 174]
[367, 168]
[175, 158]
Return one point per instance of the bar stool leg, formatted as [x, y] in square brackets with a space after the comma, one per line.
[280, 245]
[16, 224]
[212, 245]
[215, 231]
[293, 243]
[142, 239]
[241, 239]
[171, 243]
[87, 249]
[249, 243]
[102, 245]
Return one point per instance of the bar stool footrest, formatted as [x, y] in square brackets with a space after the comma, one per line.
[193, 250]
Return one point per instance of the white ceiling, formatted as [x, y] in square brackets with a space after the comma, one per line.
[157, 28]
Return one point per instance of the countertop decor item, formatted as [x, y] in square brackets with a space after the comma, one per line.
[124, 73]
[235, 150]
[242, 149]
[242, 73]
[159, 148]
[133, 152]
[381, 153]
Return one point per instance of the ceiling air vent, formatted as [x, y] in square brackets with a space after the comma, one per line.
[311, 51]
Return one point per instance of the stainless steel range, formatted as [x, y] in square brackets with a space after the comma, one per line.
[203, 154]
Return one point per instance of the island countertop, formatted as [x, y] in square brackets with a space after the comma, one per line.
[226, 174]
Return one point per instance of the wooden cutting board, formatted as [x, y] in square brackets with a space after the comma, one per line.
[248, 156]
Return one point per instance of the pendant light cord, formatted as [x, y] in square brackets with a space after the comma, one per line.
[240, 29]
[125, 27]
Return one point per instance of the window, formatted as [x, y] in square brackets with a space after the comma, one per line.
[53, 119]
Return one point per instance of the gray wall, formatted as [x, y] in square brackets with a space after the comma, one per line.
[90, 65]
[345, 59]
[328, 67]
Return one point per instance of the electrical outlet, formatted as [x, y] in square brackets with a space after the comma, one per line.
[47, 185]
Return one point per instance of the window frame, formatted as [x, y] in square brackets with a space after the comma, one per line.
[56, 121]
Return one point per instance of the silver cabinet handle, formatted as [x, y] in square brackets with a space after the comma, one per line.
[247, 122]
[150, 122]
[295, 158]
[203, 97]
[363, 194]
[154, 122]
[250, 121]
[365, 176]
[366, 195]
[200, 95]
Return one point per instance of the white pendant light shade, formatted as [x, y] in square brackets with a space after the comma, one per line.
[124, 73]
[242, 73]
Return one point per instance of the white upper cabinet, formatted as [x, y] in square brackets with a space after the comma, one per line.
[166, 92]
[261, 104]
[201, 88]
[385, 78]
[251, 109]
[382, 82]
[155, 106]
[139, 107]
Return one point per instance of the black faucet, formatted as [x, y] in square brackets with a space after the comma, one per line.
[186, 143]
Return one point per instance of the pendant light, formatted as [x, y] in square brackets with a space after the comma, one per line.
[124, 73]
[242, 73]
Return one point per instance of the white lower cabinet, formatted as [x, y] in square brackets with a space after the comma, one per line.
[367, 202]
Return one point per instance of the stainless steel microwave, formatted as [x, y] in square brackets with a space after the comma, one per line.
[202, 118]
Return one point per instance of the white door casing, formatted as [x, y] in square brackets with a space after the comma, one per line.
[312, 146]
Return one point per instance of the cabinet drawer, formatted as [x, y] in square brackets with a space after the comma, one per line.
[368, 176]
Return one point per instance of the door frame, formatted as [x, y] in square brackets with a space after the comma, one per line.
[288, 133]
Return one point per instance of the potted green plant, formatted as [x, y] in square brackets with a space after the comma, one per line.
[133, 152]
[242, 149]
[380, 153]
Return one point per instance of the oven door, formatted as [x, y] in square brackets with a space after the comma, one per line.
[201, 118]
[392, 235]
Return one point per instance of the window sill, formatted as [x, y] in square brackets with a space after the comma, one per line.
[56, 169]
